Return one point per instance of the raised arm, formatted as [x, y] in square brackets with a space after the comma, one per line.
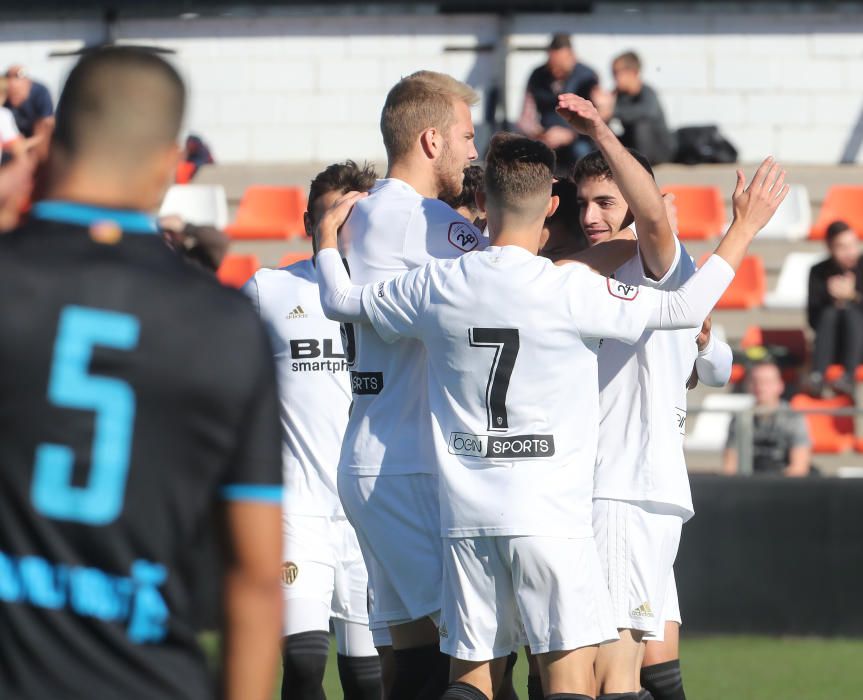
[754, 206]
[655, 237]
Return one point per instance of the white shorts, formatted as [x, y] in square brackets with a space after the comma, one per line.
[503, 592]
[397, 521]
[323, 577]
[637, 545]
[670, 612]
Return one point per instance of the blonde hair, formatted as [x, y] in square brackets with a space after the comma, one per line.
[4, 86]
[421, 101]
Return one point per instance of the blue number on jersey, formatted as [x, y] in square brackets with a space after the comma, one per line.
[113, 400]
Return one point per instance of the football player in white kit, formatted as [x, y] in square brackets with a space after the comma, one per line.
[512, 344]
[642, 489]
[387, 475]
[323, 575]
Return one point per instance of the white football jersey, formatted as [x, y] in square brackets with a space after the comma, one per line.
[394, 230]
[512, 384]
[642, 399]
[313, 384]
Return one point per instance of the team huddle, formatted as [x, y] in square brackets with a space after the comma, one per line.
[481, 439]
[512, 463]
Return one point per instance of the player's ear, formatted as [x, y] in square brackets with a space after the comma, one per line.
[307, 224]
[553, 204]
[431, 143]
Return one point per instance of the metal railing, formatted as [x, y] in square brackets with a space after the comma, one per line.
[745, 429]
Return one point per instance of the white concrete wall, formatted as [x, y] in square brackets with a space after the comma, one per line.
[784, 79]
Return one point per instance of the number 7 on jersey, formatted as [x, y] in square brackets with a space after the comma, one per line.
[506, 343]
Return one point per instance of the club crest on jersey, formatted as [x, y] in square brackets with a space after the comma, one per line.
[290, 571]
[622, 290]
[463, 236]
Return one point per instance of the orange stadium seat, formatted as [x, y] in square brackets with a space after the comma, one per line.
[830, 434]
[295, 257]
[748, 288]
[700, 211]
[269, 212]
[842, 202]
[835, 371]
[185, 171]
[236, 269]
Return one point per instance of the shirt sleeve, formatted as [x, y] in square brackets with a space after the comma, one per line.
[731, 440]
[340, 300]
[714, 363]
[800, 431]
[602, 307]
[254, 472]
[44, 106]
[252, 291]
[395, 307]
[688, 306]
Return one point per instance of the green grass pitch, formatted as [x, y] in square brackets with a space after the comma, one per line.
[718, 668]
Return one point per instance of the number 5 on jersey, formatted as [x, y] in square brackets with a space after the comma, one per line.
[506, 343]
[113, 401]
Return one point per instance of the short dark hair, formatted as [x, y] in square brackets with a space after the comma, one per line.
[594, 166]
[125, 100]
[630, 59]
[560, 41]
[834, 229]
[517, 169]
[342, 177]
[472, 184]
[567, 214]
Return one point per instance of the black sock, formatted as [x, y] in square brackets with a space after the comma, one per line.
[618, 696]
[360, 677]
[463, 691]
[534, 688]
[568, 696]
[664, 680]
[644, 694]
[304, 659]
[419, 672]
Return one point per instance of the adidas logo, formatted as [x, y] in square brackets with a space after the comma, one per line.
[442, 631]
[297, 313]
[642, 610]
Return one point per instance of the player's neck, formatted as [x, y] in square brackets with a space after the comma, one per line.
[520, 237]
[101, 192]
[423, 180]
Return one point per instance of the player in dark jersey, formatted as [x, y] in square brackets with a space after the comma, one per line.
[138, 398]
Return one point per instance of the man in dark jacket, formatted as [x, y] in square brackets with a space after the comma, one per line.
[561, 73]
[835, 308]
[638, 109]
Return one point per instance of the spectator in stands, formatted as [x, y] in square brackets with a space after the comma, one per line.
[465, 203]
[638, 109]
[197, 152]
[205, 246]
[31, 104]
[780, 437]
[835, 309]
[561, 73]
